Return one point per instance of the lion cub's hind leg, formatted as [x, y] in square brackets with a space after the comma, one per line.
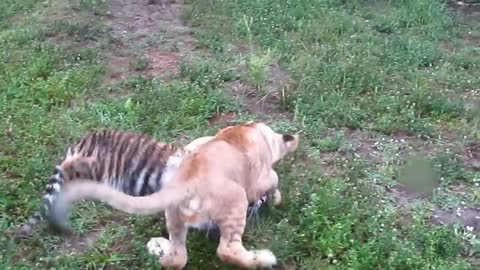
[173, 252]
[231, 249]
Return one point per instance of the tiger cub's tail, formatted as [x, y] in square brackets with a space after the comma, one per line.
[53, 188]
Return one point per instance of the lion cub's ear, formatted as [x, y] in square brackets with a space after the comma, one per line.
[291, 141]
[288, 137]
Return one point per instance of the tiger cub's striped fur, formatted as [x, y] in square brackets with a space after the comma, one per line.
[133, 163]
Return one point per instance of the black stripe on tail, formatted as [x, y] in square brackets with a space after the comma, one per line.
[55, 183]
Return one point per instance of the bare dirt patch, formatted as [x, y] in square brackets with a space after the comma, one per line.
[378, 148]
[469, 10]
[160, 62]
[153, 33]
[264, 107]
[464, 216]
[223, 119]
[465, 6]
[268, 102]
[134, 37]
[403, 195]
[79, 244]
[385, 151]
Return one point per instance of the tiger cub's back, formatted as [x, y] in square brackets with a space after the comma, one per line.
[131, 162]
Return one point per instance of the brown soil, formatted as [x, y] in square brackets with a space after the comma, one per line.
[150, 32]
[469, 10]
[467, 217]
[465, 6]
[156, 34]
[80, 244]
[403, 196]
[223, 119]
[267, 103]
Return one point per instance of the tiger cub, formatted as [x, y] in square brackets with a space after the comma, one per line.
[133, 163]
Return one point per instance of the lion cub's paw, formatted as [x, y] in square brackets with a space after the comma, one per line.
[158, 246]
[265, 258]
[277, 197]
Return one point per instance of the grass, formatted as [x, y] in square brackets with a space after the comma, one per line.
[374, 84]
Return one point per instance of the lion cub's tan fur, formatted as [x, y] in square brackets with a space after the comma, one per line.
[214, 183]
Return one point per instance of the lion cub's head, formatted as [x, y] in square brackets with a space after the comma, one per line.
[280, 144]
[260, 134]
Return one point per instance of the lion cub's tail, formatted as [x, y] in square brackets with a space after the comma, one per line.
[143, 205]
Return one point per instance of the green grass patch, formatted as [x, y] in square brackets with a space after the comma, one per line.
[361, 64]
[366, 75]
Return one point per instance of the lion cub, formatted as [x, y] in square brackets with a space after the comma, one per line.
[215, 183]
